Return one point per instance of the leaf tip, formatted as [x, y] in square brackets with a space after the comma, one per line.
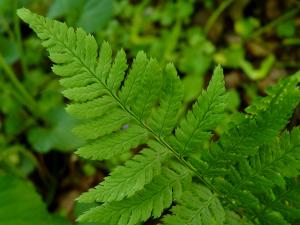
[24, 14]
[218, 69]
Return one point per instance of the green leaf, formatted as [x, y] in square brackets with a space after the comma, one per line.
[114, 143]
[130, 89]
[246, 26]
[9, 50]
[164, 119]
[148, 90]
[106, 124]
[95, 15]
[198, 206]
[80, 208]
[117, 72]
[22, 204]
[83, 94]
[91, 15]
[205, 115]
[150, 201]
[126, 180]
[62, 7]
[56, 137]
[259, 128]
[286, 29]
[92, 108]
[235, 219]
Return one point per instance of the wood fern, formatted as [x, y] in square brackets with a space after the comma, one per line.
[248, 176]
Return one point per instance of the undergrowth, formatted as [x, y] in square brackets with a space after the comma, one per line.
[184, 174]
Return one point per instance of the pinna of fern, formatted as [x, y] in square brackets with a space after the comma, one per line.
[238, 179]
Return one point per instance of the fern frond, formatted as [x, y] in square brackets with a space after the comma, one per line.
[198, 206]
[273, 218]
[259, 127]
[100, 126]
[117, 71]
[285, 203]
[279, 162]
[254, 130]
[271, 165]
[232, 218]
[93, 108]
[75, 54]
[263, 173]
[206, 114]
[126, 180]
[120, 110]
[273, 162]
[151, 201]
[164, 118]
[285, 154]
[81, 94]
[130, 90]
[148, 90]
[114, 143]
[242, 197]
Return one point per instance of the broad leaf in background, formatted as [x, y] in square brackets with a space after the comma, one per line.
[7, 11]
[21, 205]
[100, 9]
[61, 8]
[286, 29]
[195, 61]
[9, 50]
[58, 136]
[245, 27]
[80, 208]
[94, 14]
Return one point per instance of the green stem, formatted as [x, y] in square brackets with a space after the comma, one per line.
[4, 24]
[172, 42]
[213, 18]
[19, 41]
[294, 65]
[28, 101]
[288, 15]
[291, 41]
[137, 23]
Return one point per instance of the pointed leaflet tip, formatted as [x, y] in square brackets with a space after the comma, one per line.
[170, 67]
[218, 70]
[24, 14]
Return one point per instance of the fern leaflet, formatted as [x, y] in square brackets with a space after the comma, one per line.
[197, 206]
[125, 180]
[152, 200]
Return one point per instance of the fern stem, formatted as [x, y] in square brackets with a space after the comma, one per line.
[213, 18]
[19, 41]
[173, 41]
[5, 26]
[288, 15]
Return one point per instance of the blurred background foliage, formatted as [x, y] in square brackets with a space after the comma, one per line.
[257, 43]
